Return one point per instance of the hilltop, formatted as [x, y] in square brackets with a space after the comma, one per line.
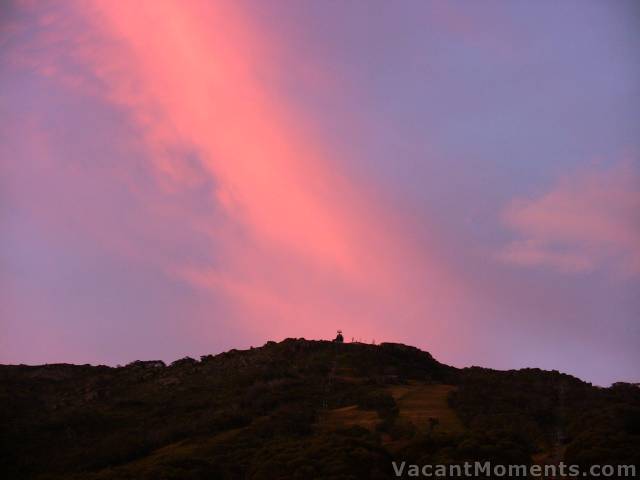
[301, 409]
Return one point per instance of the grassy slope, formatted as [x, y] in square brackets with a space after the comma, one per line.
[420, 402]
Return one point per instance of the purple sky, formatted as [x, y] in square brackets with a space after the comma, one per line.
[185, 178]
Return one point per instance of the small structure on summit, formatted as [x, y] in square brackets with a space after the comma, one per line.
[339, 338]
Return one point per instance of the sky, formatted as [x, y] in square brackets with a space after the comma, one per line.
[183, 178]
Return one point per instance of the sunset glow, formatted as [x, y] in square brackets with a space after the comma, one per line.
[182, 178]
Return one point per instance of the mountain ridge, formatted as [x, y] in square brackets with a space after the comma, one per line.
[301, 409]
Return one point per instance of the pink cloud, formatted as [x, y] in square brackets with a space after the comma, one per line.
[585, 222]
[297, 245]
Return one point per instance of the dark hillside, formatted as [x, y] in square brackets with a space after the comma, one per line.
[301, 409]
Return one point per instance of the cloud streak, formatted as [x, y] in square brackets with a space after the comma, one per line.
[296, 243]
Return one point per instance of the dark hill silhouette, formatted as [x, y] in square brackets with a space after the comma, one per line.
[301, 409]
